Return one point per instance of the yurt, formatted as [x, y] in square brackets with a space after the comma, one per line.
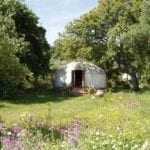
[80, 75]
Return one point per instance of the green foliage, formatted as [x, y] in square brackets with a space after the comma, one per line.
[100, 140]
[1, 117]
[7, 89]
[115, 36]
[12, 72]
[116, 121]
[34, 125]
[27, 26]
[30, 134]
[24, 51]
[44, 82]
[128, 44]
[11, 69]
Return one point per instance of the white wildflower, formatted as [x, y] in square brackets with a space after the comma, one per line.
[146, 145]
[8, 133]
[97, 133]
[94, 147]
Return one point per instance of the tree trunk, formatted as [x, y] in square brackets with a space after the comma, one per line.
[134, 80]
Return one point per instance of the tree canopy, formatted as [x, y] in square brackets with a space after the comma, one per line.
[114, 36]
[10, 44]
[23, 47]
[27, 26]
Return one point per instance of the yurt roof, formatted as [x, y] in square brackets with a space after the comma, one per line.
[84, 66]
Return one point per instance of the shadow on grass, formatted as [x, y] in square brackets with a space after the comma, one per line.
[140, 91]
[39, 96]
[45, 96]
[3, 106]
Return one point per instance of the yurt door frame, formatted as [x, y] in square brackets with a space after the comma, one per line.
[78, 78]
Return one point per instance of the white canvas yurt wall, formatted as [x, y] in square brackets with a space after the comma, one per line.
[93, 76]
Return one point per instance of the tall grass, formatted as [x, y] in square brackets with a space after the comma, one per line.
[117, 121]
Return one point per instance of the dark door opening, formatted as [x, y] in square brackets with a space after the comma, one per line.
[77, 78]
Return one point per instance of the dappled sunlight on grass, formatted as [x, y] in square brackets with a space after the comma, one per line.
[113, 108]
[118, 119]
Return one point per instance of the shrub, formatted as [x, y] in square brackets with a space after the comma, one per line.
[7, 89]
[44, 82]
[100, 140]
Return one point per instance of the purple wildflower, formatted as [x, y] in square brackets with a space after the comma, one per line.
[71, 133]
[2, 127]
[40, 124]
[17, 129]
[5, 139]
[9, 143]
[73, 140]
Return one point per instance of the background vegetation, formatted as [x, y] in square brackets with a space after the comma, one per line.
[24, 51]
[55, 121]
[115, 35]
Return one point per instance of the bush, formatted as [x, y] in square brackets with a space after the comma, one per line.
[32, 133]
[7, 89]
[1, 118]
[44, 82]
[123, 140]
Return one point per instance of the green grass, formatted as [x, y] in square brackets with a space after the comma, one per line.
[113, 109]
[122, 119]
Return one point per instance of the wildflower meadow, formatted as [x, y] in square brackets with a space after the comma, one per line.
[117, 121]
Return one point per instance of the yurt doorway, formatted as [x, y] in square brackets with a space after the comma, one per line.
[77, 78]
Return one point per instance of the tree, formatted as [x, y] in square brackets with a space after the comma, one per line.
[137, 40]
[103, 31]
[124, 57]
[11, 70]
[27, 26]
